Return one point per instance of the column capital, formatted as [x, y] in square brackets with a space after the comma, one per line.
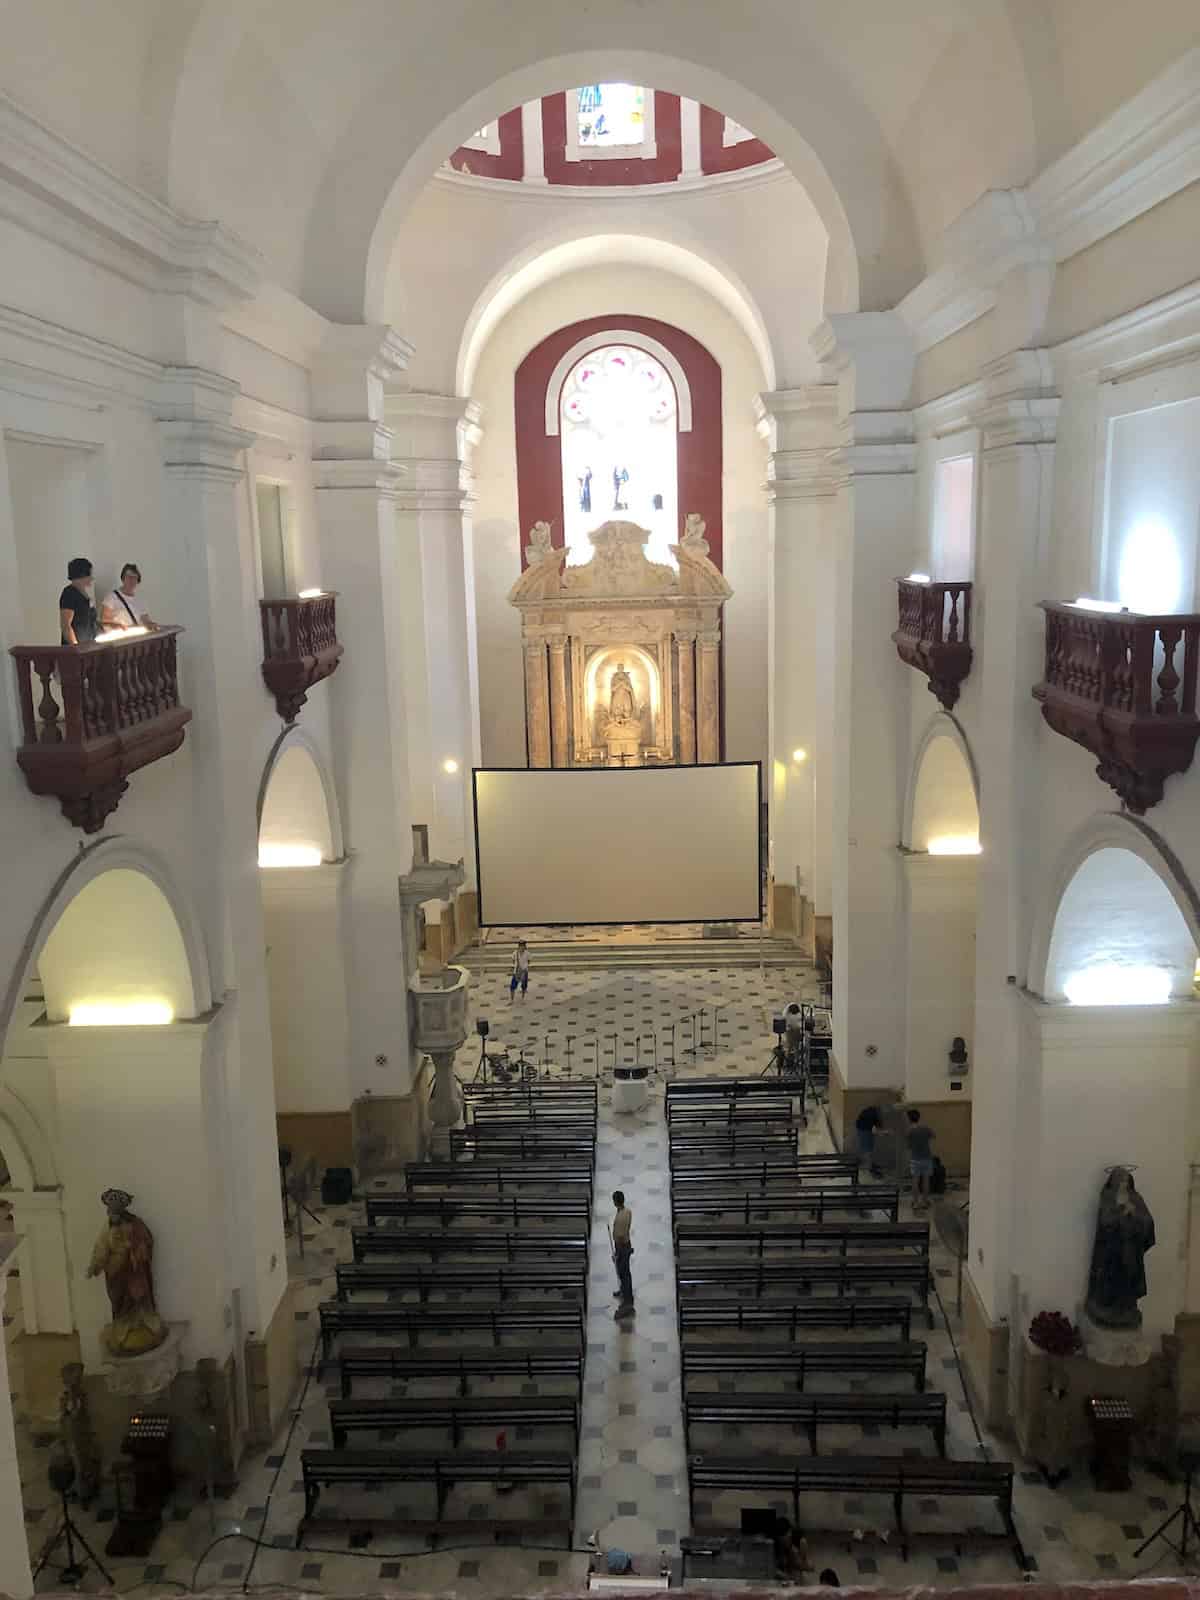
[871, 355]
[800, 427]
[352, 366]
[385, 478]
[197, 437]
[1019, 405]
[686, 634]
[708, 638]
[557, 643]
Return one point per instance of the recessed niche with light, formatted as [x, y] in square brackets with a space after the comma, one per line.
[120, 1014]
[289, 855]
[955, 844]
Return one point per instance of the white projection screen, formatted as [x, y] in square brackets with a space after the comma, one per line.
[634, 844]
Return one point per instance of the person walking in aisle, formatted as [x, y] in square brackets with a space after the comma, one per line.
[520, 971]
[865, 1124]
[622, 1245]
[920, 1159]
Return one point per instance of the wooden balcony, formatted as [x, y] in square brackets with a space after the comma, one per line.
[1123, 685]
[934, 634]
[300, 647]
[93, 714]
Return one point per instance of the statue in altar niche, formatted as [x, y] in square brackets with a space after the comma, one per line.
[622, 707]
[1124, 1233]
[124, 1253]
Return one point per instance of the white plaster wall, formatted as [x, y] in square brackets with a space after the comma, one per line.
[940, 946]
[310, 1026]
[496, 538]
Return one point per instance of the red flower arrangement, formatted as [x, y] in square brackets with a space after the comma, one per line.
[1055, 1334]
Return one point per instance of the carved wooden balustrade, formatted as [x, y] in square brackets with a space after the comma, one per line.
[1123, 685]
[934, 634]
[93, 714]
[300, 647]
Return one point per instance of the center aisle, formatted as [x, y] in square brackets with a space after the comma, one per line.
[632, 1482]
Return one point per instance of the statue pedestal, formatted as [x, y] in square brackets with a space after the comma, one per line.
[142, 1377]
[1114, 1347]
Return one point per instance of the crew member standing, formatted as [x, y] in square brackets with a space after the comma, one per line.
[520, 970]
[622, 1241]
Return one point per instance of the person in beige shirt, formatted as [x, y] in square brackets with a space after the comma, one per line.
[622, 1242]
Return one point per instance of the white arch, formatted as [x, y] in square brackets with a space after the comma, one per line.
[541, 262]
[295, 738]
[108, 855]
[639, 341]
[940, 726]
[1116, 831]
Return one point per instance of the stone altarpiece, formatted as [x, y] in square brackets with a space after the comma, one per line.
[622, 654]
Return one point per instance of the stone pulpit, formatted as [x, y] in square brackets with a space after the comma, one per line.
[622, 654]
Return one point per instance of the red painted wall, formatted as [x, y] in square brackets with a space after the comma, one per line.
[510, 163]
[717, 157]
[665, 167]
[539, 456]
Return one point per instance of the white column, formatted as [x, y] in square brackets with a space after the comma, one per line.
[45, 1278]
[537, 702]
[689, 128]
[1018, 423]
[708, 695]
[871, 356]
[939, 943]
[434, 435]
[531, 136]
[357, 486]
[16, 1576]
[559, 716]
[304, 918]
[203, 459]
[686, 640]
[798, 425]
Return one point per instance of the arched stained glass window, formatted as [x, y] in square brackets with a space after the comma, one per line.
[618, 427]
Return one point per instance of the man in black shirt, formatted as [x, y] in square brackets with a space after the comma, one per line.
[76, 608]
[865, 1123]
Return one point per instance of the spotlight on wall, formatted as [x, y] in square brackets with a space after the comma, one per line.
[450, 765]
[289, 855]
[1114, 985]
[955, 844]
[310, 594]
[799, 754]
[120, 1014]
[919, 577]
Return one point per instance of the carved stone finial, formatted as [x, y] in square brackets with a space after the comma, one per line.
[694, 529]
[539, 546]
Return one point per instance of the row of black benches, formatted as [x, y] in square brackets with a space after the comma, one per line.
[516, 1283]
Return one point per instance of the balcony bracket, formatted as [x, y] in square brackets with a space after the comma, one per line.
[934, 635]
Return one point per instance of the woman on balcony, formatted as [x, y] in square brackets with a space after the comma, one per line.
[76, 607]
[122, 608]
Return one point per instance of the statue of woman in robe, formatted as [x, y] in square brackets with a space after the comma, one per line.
[124, 1253]
[1124, 1233]
[621, 705]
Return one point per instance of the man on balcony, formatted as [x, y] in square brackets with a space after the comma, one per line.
[76, 607]
[122, 608]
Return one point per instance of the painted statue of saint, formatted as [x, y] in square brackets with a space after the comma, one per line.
[1124, 1233]
[124, 1254]
[621, 705]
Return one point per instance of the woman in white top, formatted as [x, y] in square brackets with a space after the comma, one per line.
[122, 608]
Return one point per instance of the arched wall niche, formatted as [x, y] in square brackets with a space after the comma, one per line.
[135, 935]
[297, 798]
[943, 795]
[1118, 898]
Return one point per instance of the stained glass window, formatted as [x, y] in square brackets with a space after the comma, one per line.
[611, 114]
[618, 425]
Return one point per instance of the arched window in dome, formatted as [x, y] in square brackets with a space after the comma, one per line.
[609, 114]
[618, 428]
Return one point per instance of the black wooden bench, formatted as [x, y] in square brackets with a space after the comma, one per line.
[563, 1089]
[843, 1274]
[681, 1091]
[748, 1172]
[757, 1239]
[811, 1200]
[568, 1178]
[539, 1319]
[506, 1145]
[864, 1358]
[463, 1366]
[704, 1117]
[896, 1476]
[790, 1318]
[567, 1279]
[516, 1411]
[549, 1115]
[326, 1469]
[814, 1411]
[727, 1145]
[521, 1211]
[486, 1242]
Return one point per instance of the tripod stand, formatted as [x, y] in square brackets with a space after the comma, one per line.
[1183, 1513]
[74, 1570]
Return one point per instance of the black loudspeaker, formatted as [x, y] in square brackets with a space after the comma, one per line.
[481, 1027]
[337, 1186]
[778, 1026]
